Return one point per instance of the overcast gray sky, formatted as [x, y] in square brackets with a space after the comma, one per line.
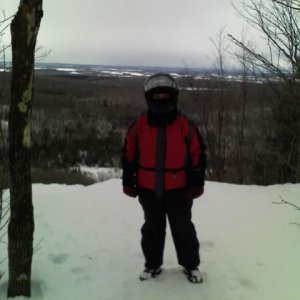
[132, 32]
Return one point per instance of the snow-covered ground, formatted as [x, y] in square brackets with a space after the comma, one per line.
[88, 245]
[101, 174]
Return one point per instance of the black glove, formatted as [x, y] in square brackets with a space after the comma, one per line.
[130, 191]
[195, 191]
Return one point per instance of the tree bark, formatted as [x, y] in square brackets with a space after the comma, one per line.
[24, 31]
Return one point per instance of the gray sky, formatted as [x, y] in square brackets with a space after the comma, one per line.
[132, 32]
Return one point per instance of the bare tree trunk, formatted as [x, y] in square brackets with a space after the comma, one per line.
[221, 48]
[24, 31]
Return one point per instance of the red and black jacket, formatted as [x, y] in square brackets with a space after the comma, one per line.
[163, 158]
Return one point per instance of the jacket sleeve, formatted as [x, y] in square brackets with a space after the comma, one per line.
[197, 149]
[129, 157]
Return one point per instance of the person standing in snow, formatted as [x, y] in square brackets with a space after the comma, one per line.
[164, 165]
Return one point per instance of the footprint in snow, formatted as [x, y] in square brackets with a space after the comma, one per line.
[58, 259]
[247, 283]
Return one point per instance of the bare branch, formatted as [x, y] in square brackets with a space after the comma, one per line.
[38, 245]
[221, 48]
[4, 225]
[5, 214]
[286, 202]
[294, 223]
[289, 4]
[280, 28]
[6, 24]
[41, 53]
[3, 29]
[264, 63]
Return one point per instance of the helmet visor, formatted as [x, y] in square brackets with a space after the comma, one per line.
[161, 107]
[160, 81]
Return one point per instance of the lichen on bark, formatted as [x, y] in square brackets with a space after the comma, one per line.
[26, 97]
[22, 277]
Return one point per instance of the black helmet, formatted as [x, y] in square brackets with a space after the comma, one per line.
[161, 83]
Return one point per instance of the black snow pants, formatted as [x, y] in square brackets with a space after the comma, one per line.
[175, 206]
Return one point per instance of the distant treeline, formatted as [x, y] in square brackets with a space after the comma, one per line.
[83, 121]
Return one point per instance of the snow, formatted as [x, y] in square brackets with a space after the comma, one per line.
[196, 89]
[123, 73]
[66, 69]
[87, 243]
[100, 174]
